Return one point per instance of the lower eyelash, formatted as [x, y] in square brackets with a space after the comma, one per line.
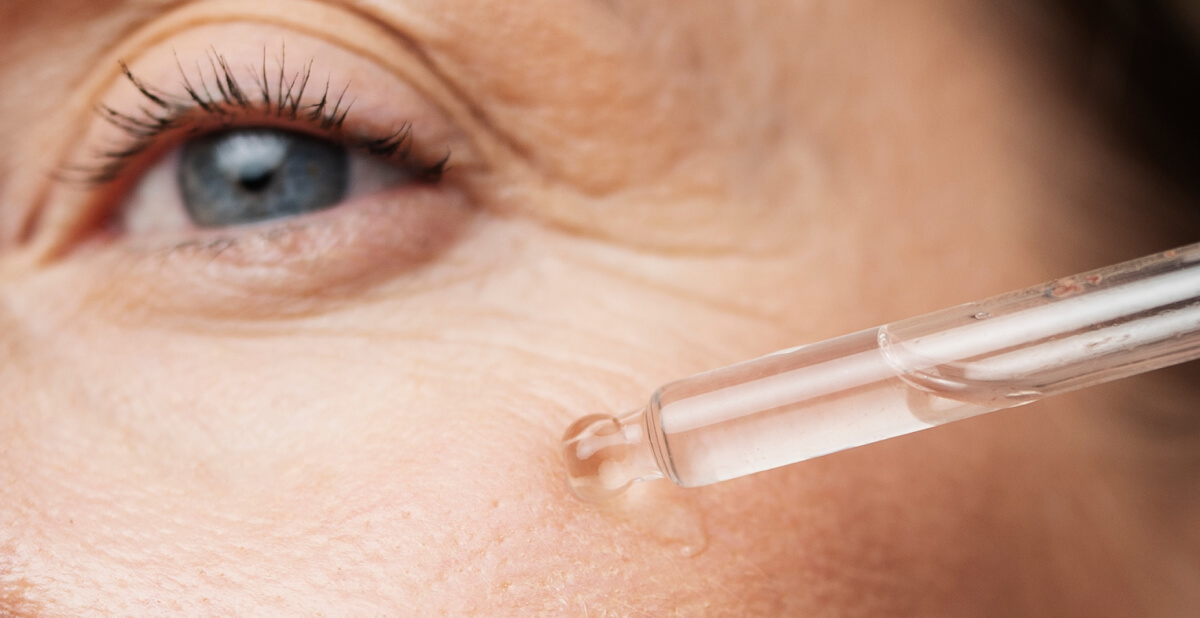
[219, 95]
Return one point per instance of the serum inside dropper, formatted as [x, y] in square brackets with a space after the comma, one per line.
[605, 455]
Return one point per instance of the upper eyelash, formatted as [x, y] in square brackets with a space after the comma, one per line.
[226, 99]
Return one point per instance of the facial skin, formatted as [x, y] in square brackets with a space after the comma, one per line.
[358, 411]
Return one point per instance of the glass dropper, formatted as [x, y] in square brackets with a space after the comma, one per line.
[888, 381]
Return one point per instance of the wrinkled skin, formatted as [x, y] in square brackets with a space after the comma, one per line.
[359, 414]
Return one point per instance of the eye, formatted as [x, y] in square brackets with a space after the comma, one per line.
[243, 176]
[243, 154]
[261, 180]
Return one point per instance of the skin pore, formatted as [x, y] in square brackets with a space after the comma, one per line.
[358, 411]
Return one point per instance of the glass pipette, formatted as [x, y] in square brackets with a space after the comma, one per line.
[888, 381]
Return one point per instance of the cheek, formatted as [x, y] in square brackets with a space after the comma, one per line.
[402, 449]
[407, 440]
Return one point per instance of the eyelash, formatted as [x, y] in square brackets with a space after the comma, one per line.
[230, 103]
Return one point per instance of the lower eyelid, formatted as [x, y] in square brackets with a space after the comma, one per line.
[284, 268]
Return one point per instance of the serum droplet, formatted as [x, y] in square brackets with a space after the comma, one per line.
[605, 455]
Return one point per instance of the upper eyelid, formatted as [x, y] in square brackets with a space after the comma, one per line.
[168, 111]
[220, 93]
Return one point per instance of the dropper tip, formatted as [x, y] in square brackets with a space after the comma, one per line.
[605, 455]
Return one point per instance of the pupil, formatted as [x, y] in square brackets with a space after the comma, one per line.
[256, 183]
[248, 175]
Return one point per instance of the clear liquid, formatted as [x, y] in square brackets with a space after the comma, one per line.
[840, 394]
[605, 455]
[789, 434]
[774, 411]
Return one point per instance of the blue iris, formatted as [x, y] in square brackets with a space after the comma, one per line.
[248, 175]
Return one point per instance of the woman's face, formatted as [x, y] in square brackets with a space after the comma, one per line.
[356, 408]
